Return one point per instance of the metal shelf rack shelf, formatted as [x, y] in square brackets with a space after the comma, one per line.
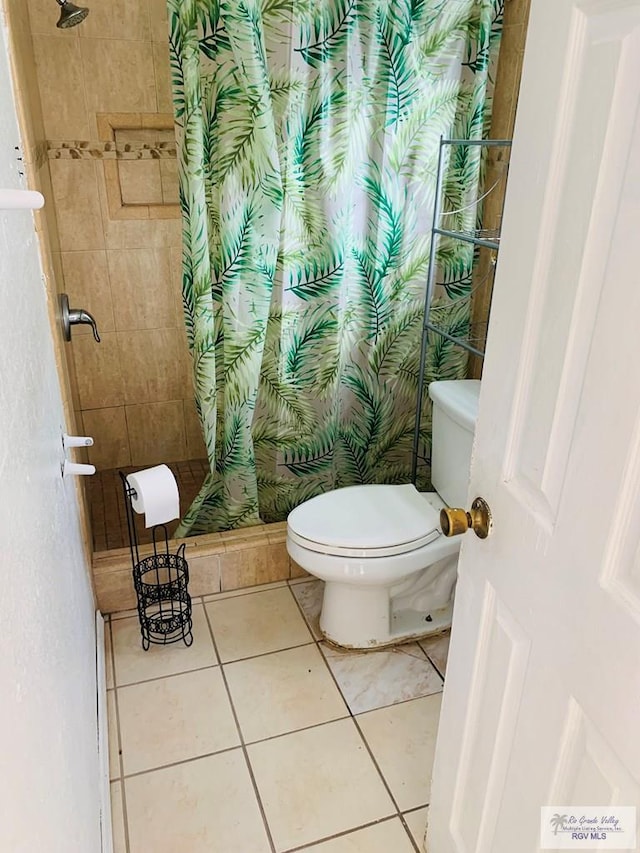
[481, 238]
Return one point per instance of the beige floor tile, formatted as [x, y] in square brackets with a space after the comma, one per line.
[175, 719]
[117, 819]
[247, 590]
[124, 614]
[309, 595]
[114, 743]
[402, 739]
[108, 656]
[438, 651]
[133, 664]
[294, 685]
[386, 837]
[374, 679]
[201, 806]
[417, 823]
[316, 783]
[257, 623]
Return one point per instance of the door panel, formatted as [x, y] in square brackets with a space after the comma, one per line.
[543, 686]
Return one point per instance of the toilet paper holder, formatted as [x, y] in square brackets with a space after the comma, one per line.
[161, 582]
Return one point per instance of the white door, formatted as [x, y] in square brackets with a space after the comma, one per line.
[542, 697]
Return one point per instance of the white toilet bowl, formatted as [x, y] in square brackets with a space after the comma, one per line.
[389, 572]
[388, 569]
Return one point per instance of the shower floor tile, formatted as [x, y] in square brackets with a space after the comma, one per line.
[106, 502]
[279, 762]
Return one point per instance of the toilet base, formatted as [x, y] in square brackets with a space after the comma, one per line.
[356, 617]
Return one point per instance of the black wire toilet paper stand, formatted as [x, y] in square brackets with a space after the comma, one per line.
[161, 582]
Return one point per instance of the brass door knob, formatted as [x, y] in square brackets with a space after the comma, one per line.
[455, 521]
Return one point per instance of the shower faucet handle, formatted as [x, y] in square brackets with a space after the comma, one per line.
[75, 316]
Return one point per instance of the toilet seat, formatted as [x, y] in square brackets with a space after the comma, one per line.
[365, 521]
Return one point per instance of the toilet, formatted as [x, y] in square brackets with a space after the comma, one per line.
[389, 571]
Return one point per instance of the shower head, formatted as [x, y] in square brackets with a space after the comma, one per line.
[70, 15]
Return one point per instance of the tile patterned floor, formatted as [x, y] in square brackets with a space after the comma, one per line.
[262, 739]
[106, 502]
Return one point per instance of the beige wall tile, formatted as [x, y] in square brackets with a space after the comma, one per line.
[162, 69]
[77, 202]
[277, 532]
[196, 448]
[156, 433]
[114, 591]
[151, 366]
[141, 288]
[100, 383]
[158, 20]
[169, 180]
[61, 83]
[86, 281]
[118, 75]
[204, 574]
[252, 539]
[175, 259]
[140, 181]
[113, 208]
[142, 234]
[108, 123]
[115, 19]
[296, 571]
[17, 15]
[253, 566]
[158, 120]
[108, 427]
[50, 223]
[164, 211]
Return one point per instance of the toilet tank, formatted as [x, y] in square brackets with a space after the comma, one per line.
[455, 412]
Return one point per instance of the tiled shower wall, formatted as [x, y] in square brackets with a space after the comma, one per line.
[505, 103]
[120, 261]
[132, 392]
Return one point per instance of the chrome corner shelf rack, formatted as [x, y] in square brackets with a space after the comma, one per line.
[480, 238]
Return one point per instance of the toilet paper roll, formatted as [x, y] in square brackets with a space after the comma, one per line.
[156, 495]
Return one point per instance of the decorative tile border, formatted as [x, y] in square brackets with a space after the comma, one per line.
[109, 150]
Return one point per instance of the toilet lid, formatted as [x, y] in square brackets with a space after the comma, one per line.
[365, 521]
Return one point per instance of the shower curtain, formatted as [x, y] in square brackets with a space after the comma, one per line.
[308, 136]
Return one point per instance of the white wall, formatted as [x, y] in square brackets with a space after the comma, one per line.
[49, 777]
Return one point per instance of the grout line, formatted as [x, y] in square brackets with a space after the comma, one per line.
[166, 675]
[301, 729]
[351, 714]
[360, 732]
[181, 761]
[367, 747]
[417, 844]
[242, 743]
[231, 748]
[409, 833]
[271, 652]
[214, 597]
[437, 668]
[346, 832]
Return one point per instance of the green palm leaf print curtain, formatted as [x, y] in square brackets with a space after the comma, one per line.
[308, 136]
